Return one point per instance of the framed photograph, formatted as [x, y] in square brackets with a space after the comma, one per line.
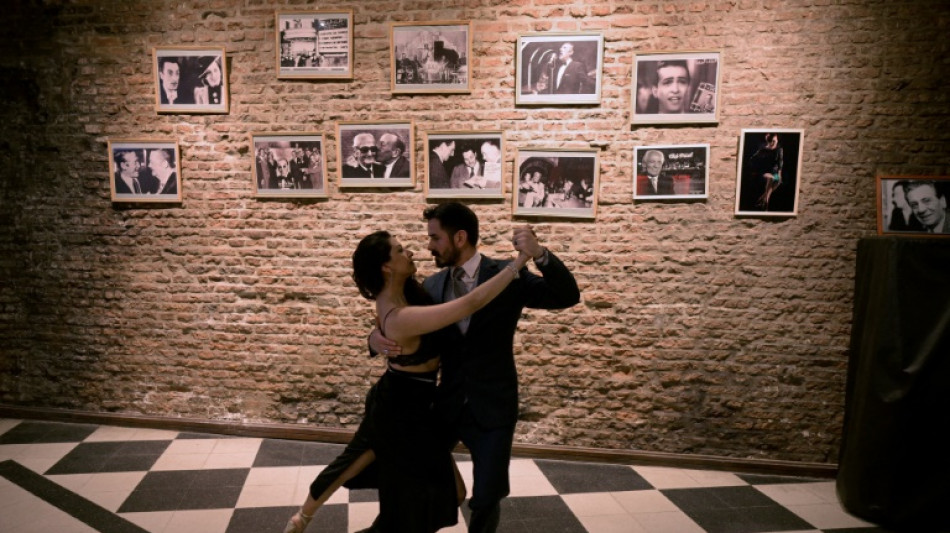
[430, 57]
[465, 164]
[913, 205]
[679, 172]
[375, 154]
[190, 80]
[144, 171]
[289, 165]
[676, 88]
[556, 182]
[315, 44]
[559, 68]
[769, 173]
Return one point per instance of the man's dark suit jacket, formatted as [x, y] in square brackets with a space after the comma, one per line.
[574, 80]
[359, 172]
[479, 367]
[400, 168]
[664, 184]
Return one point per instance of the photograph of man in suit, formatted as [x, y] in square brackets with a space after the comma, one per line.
[128, 167]
[162, 164]
[653, 181]
[469, 170]
[928, 204]
[392, 155]
[362, 162]
[169, 73]
[478, 393]
[441, 152]
[571, 76]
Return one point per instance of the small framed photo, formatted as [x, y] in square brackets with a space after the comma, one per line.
[913, 205]
[769, 173]
[145, 171]
[375, 154]
[679, 172]
[559, 68]
[431, 57]
[676, 88]
[315, 44]
[464, 164]
[556, 182]
[190, 80]
[289, 165]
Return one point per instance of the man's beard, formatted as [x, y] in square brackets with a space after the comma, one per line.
[449, 259]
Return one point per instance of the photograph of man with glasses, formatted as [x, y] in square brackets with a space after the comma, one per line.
[362, 160]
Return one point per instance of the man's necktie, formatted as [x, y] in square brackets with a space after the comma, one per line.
[135, 186]
[460, 289]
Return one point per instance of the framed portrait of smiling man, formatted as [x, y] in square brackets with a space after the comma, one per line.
[913, 205]
[190, 80]
[676, 88]
[375, 154]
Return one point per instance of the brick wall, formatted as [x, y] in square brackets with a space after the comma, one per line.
[698, 332]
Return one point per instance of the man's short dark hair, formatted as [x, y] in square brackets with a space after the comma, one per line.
[166, 155]
[399, 145]
[163, 60]
[673, 63]
[453, 217]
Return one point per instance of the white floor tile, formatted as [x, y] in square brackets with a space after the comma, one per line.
[153, 522]
[644, 501]
[667, 478]
[203, 521]
[827, 516]
[594, 504]
[361, 515]
[671, 522]
[611, 524]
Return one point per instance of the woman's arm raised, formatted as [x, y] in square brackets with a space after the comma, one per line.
[416, 320]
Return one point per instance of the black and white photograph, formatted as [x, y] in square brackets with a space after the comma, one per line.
[674, 172]
[559, 68]
[190, 80]
[375, 154]
[913, 205]
[144, 171]
[431, 57]
[769, 173]
[464, 164]
[556, 182]
[676, 88]
[315, 44]
[289, 165]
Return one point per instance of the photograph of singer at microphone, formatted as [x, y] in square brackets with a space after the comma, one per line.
[559, 68]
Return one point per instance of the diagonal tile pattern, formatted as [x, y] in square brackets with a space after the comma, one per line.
[82, 477]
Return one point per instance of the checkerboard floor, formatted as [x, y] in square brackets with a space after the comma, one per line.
[78, 478]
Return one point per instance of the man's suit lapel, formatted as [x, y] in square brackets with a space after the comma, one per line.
[486, 269]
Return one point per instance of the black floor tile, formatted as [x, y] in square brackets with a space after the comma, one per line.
[759, 479]
[570, 478]
[291, 453]
[735, 510]
[186, 489]
[93, 457]
[28, 432]
[364, 495]
[537, 514]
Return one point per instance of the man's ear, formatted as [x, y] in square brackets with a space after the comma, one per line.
[460, 238]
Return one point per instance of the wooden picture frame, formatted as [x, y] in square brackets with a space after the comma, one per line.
[314, 44]
[914, 206]
[464, 164]
[289, 165]
[559, 68]
[190, 80]
[676, 87]
[430, 57]
[769, 172]
[556, 182]
[376, 153]
[144, 170]
[671, 172]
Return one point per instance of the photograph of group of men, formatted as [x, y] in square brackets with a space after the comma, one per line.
[670, 172]
[315, 45]
[556, 182]
[676, 88]
[375, 155]
[287, 165]
[461, 164]
[430, 58]
[145, 171]
[190, 80]
[559, 69]
[914, 204]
